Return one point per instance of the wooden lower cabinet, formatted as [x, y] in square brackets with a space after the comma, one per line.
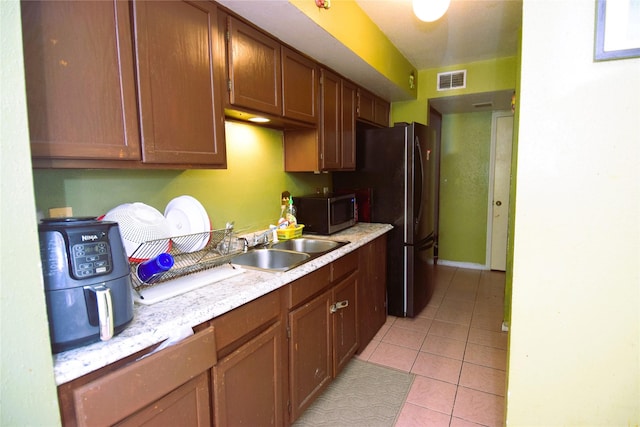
[310, 364]
[372, 289]
[188, 405]
[345, 322]
[248, 383]
[249, 380]
[261, 364]
[323, 336]
[172, 384]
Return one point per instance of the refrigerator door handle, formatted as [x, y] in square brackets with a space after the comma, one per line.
[420, 206]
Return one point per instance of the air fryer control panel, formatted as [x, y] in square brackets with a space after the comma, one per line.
[75, 251]
[90, 253]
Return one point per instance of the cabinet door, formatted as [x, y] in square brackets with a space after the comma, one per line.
[372, 109]
[366, 105]
[348, 125]
[310, 367]
[299, 87]
[80, 80]
[255, 74]
[381, 112]
[330, 121]
[372, 290]
[248, 383]
[180, 77]
[345, 322]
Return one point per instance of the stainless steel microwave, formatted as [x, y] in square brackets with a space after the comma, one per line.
[326, 213]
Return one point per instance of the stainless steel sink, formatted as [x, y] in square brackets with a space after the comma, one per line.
[310, 246]
[271, 259]
[286, 254]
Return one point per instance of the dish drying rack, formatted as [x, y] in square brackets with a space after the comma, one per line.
[188, 252]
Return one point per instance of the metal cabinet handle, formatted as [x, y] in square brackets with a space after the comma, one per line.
[339, 305]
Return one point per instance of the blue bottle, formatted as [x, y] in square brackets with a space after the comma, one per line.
[153, 269]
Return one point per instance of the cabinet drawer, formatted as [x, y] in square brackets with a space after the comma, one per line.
[309, 285]
[114, 397]
[343, 266]
[237, 323]
[188, 405]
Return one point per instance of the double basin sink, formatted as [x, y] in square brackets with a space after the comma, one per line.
[287, 254]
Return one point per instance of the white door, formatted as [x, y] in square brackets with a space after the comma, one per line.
[499, 203]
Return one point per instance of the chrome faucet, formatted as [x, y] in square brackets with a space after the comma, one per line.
[261, 239]
[245, 243]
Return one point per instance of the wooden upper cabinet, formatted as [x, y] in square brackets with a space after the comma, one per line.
[337, 126]
[254, 67]
[180, 79]
[366, 105]
[299, 87]
[330, 123]
[349, 98]
[381, 111]
[80, 85]
[372, 109]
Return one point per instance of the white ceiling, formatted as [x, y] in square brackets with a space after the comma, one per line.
[471, 30]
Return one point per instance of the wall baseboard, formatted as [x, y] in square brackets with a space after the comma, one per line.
[469, 265]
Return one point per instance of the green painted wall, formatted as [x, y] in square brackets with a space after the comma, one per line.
[464, 186]
[27, 387]
[247, 192]
[483, 76]
[466, 147]
[348, 23]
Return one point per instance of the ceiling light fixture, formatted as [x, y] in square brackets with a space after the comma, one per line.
[430, 10]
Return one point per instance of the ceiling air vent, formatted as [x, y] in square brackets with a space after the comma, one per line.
[452, 80]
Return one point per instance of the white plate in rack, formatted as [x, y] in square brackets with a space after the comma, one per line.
[138, 224]
[187, 217]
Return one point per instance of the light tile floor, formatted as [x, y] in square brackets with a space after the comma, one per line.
[455, 347]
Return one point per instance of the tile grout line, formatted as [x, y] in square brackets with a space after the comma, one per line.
[464, 353]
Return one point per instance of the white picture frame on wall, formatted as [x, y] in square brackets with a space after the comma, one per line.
[617, 32]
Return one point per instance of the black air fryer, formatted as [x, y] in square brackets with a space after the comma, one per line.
[87, 281]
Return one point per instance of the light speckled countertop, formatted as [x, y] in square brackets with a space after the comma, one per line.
[155, 323]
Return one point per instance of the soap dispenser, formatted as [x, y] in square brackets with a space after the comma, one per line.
[290, 214]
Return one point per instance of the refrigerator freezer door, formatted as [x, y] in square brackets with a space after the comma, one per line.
[423, 277]
[396, 164]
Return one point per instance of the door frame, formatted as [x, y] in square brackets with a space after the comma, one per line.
[492, 161]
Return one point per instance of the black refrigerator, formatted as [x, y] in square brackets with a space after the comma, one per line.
[400, 166]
